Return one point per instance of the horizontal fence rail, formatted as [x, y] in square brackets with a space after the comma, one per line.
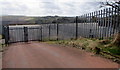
[99, 24]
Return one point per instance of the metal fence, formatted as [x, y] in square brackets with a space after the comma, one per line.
[99, 24]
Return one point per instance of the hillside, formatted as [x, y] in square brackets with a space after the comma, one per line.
[16, 20]
[54, 19]
[38, 20]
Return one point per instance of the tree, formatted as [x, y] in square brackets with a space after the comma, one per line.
[114, 4]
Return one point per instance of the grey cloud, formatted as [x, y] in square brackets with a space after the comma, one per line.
[12, 8]
[50, 8]
[51, 5]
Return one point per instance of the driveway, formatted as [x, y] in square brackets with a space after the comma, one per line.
[42, 55]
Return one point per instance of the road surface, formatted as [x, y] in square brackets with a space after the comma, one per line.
[42, 55]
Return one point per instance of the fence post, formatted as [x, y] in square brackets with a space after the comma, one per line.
[118, 21]
[76, 35]
[41, 32]
[49, 32]
[57, 30]
[25, 34]
[6, 30]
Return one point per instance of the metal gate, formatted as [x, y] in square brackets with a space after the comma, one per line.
[21, 33]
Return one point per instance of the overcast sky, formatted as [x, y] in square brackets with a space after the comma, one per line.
[48, 7]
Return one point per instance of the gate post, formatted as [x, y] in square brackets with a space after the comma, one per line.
[6, 34]
[25, 34]
[76, 32]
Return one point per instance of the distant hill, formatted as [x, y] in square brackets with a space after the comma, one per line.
[16, 20]
[5, 20]
[54, 19]
[38, 20]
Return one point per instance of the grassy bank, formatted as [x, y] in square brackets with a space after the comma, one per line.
[0, 36]
[96, 46]
[1, 45]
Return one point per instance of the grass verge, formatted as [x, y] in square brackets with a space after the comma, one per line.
[96, 46]
[0, 36]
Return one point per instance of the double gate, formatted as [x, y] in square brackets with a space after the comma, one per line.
[22, 33]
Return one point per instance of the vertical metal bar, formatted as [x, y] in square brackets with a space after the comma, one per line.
[76, 37]
[118, 19]
[103, 23]
[49, 31]
[100, 23]
[83, 26]
[80, 28]
[57, 30]
[18, 34]
[106, 22]
[94, 25]
[109, 22]
[15, 35]
[22, 34]
[97, 21]
[33, 34]
[90, 26]
[37, 33]
[112, 22]
[115, 20]
[8, 34]
[6, 29]
[41, 32]
[86, 24]
[25, 34]
[31, 30]
[93, 19]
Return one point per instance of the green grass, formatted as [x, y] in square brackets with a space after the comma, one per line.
[0, 36]
[113, 50]
[97, 46]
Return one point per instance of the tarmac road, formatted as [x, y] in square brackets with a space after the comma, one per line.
[42, 55]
